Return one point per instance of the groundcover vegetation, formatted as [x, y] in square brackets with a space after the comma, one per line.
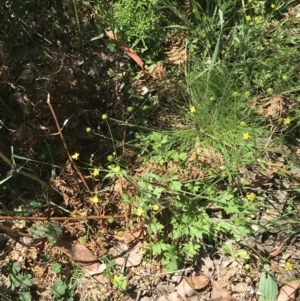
[149, 150]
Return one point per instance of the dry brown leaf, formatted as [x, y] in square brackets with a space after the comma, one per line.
[129, 51]
[288, 292]
[82, 255]
[277, 251]
[185, 289]
[157, 71]
[198, 282]
[223, 292]
[177, 52]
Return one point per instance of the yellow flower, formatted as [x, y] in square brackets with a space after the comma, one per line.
[140, 212]
[117, 169]
[273, 5]
[285, 77]
[257, 19]
[116, 279]
[242, 123]
[75, 156]
[95, 199]
[104, 116]
[246, 136]
[96, 172]
[251, 196]
[270, 90]
[248, 18]
[288, 266]
[88, 129]
[193, 109]
[287, 120]
[155, 207]
[247, 94]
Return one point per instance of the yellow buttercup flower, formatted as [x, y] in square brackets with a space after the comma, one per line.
[248, 18]
[257, 19]
[95, 199]
[75, 156]
[193, 109]
[246, 136]
[117, 169]
[251, 196]
[155, 207]
[116, 279]
[140, 212]
[88, 129]
[287, 120]
[96, 172]
[285, 77]
[273, 5]
[288, 266]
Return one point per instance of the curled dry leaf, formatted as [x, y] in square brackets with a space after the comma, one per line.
[185, 289]
[82, 256]
[288, 292]
[198, 282]
[223, 292]
[129, 51]
[277, 251]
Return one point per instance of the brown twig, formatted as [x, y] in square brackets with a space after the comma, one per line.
[14, 232]
[60, 218]
[27, 174]
[64, 142]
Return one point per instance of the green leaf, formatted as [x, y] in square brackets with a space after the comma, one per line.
[58, 289]
[175, 185]
[243, 254]
[54, 232]
[191, 249]
[125, 198]
[20, 280]
[156, 249]
[25, 280]
[56, 268]
[14, 268]
[268, 285]
[196, 232]
[25, 296]
[38, 230]
[154, 227]
[172, 266]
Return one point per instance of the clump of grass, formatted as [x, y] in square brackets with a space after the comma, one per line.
[249, 62]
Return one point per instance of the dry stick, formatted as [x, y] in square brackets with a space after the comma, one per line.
[64, 142]
[27, 174]
[15, 232]
[60, 218]
[273, 129]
